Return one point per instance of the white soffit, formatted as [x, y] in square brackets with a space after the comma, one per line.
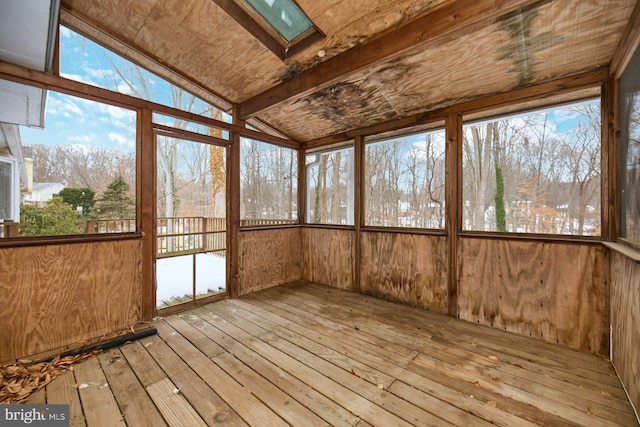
[27, 32]
[27, 38]
[21, 104]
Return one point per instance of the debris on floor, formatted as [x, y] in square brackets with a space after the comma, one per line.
[18, 380]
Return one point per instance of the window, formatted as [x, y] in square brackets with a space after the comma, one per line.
[284, 16]
[330, 187]
[537, 172]
[630, 151]
[76, 175]
[280, 25]
[9, 190]
[404, 181]
[268, 184]
[85, 61]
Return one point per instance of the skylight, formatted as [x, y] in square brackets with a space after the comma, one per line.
[280, 25]
[284, 16]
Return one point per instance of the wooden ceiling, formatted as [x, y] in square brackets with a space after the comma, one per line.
[385, 59]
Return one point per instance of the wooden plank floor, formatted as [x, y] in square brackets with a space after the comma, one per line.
[308, 355]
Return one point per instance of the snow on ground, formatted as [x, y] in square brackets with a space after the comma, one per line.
[174, 275]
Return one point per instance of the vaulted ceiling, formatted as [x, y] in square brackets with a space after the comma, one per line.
[381, 60]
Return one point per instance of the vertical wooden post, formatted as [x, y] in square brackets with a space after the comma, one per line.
[358, 217]
[146, 208]
[233, 210]
[609, 145]
[453, 200]
[204, 222]
[11, 229]
[302, 185]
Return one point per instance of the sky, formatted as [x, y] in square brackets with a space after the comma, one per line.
[76, 121]
[81, 122]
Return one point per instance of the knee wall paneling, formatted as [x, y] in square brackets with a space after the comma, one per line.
[405, 268]
[625, 320]
[554, 291]
[268, 258]
[328, 257]
[55, 295]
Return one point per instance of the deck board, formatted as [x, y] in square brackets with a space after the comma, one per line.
[135, 404]
[305, 354]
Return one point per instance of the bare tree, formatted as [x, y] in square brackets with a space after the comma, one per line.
[580, 155]
[477, 149]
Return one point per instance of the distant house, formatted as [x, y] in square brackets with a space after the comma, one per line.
[42, 192]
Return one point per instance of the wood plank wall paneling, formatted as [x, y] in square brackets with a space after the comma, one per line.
[52, 296]
[327, 257]
[555, 291]
[405, 268]
[268, 258]
[625, 318]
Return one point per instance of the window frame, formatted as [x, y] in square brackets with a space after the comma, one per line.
[14, 196]
[307, 187]
[70, 88]
[253, 22]
[500, 113]
[438, 127]
[633, 67]
[259, 223]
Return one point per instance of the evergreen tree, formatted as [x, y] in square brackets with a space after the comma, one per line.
[79, 197]
[57, 218]
[116, 203]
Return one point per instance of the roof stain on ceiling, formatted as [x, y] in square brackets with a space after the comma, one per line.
[522, 46]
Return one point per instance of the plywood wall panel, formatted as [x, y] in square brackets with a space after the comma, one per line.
[625, 321]
[555, 291]
[268, 258]
[328, 257]
[51, 296]
[406, 268]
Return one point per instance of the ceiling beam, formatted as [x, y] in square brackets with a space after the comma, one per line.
[628, 44]
[443, 21]
[241, 17]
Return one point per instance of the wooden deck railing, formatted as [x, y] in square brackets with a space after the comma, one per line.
[104, 226]
[191, 235]
[9, 229]
[175, 235]
[260, 222]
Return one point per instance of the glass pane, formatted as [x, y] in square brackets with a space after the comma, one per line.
[78, 173]
[268, 184]
[6, 191]
[404, 181]
[537, 172]
[630, 151]
[330, 189]
[85, 61]
[283, 15]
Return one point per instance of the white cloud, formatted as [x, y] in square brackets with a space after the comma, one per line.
[78, 78]
[64, 106]
[98, 73]
[65, 32]
[121, 140]
[82, 139]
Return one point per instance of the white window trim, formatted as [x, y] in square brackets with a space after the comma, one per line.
[15, 189]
